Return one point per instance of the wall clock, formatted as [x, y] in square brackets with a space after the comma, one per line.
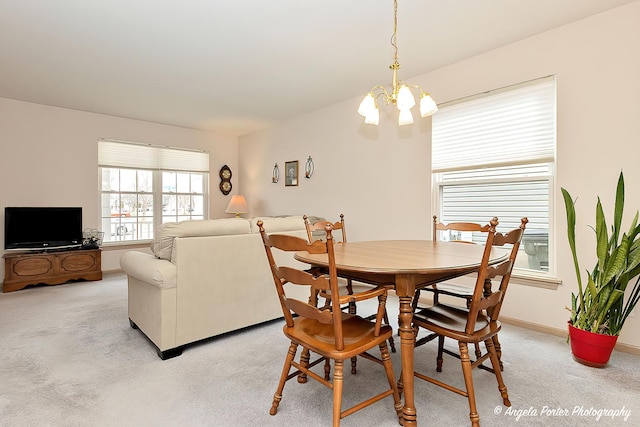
[225, 180]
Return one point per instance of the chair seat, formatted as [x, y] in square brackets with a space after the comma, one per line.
[320, 338]
[451, 321]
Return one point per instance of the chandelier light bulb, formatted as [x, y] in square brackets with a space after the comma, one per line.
[405, 117]
[373, 117]
[367, 105]
[427, 105]
[405, 98]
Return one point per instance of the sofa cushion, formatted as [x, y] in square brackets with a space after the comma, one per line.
[162, 243]
[278, 224]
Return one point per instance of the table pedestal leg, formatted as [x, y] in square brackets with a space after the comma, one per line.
[406, 346]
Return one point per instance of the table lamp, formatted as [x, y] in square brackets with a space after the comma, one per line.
[237, 205]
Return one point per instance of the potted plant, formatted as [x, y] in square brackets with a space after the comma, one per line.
[600, 308]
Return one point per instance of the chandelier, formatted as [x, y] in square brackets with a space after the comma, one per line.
[400, 94]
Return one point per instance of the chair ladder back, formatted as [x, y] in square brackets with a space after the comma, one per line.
[491, 302]
[457, 226]
[476, 305]
[288, 275]
[504, 269]
[320, 225]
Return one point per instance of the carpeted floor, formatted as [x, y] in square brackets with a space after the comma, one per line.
[69, 358]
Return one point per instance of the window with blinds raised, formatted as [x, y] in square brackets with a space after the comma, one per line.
[494, 155]
[143, 186]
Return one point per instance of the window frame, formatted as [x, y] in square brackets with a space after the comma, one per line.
[438, 183]
[156, 160]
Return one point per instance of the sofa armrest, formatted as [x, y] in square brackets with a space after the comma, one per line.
[158, 272]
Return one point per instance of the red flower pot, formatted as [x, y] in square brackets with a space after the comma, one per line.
[589, 348]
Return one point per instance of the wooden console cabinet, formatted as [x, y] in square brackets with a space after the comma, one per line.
[50, 268]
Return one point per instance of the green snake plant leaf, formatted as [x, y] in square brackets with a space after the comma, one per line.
[618, 208]
[618, 261]
[571, 236]
[602, 239]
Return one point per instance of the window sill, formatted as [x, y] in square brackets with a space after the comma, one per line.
[536, 281]
[116, 246]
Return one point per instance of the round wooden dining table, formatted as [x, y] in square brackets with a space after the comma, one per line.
[407, 265]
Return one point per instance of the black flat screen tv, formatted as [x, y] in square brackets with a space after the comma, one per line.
[42, 227]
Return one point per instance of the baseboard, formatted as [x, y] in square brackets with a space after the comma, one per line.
[632, 349]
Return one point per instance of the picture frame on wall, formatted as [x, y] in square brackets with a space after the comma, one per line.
[291, 173]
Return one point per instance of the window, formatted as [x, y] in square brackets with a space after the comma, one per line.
[143, 186]
[494, 155]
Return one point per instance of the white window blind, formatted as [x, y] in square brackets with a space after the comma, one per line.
[493, 155]
[145, 156]
[513, 126]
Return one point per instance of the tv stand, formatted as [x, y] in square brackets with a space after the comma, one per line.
[50, 268]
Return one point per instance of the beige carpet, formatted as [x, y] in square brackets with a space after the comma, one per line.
[69, 358]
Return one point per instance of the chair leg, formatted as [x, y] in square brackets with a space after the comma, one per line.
[305, 356]
[468, 381]
[338, 379]
[388, 368]
[386, 321]
[498, 348]
[327, 369]
[439, 359]
[496, 363]
[478, 350]
[352, 310]
[277, 397]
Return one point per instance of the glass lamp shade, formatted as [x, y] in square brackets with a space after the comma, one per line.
[427, 105]
[367, 105]
[405, 117]
[237, 205]
[373, 117]
[405, 98]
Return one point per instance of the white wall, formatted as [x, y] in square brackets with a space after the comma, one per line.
[374, 175]
[379, 177]
[49, 157]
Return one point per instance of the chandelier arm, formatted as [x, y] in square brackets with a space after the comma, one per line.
[383, 91]
[416, 87]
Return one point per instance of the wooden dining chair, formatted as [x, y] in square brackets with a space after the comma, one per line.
[477, 323]
[331, 334]
[462, 232]
[454, 232]
[348, 289]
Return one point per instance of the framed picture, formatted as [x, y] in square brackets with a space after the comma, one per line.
[291, 173]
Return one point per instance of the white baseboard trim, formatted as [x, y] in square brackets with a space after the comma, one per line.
[627, 348]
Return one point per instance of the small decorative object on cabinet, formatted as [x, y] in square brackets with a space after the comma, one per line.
[275, 177]
[225, 180]
[291, 173]
[92, 238]
[601, 308]
[308, 168]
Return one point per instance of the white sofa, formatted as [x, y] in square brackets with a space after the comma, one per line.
[205, 278]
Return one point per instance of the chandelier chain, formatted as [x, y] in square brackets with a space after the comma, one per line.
[394, 37]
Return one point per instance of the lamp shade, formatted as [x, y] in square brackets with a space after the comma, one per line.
[405, 99]
[427, 105]
[237, 205]
[367, 106]
[405, 117]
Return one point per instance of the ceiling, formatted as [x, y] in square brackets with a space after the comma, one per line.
[236, 66]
